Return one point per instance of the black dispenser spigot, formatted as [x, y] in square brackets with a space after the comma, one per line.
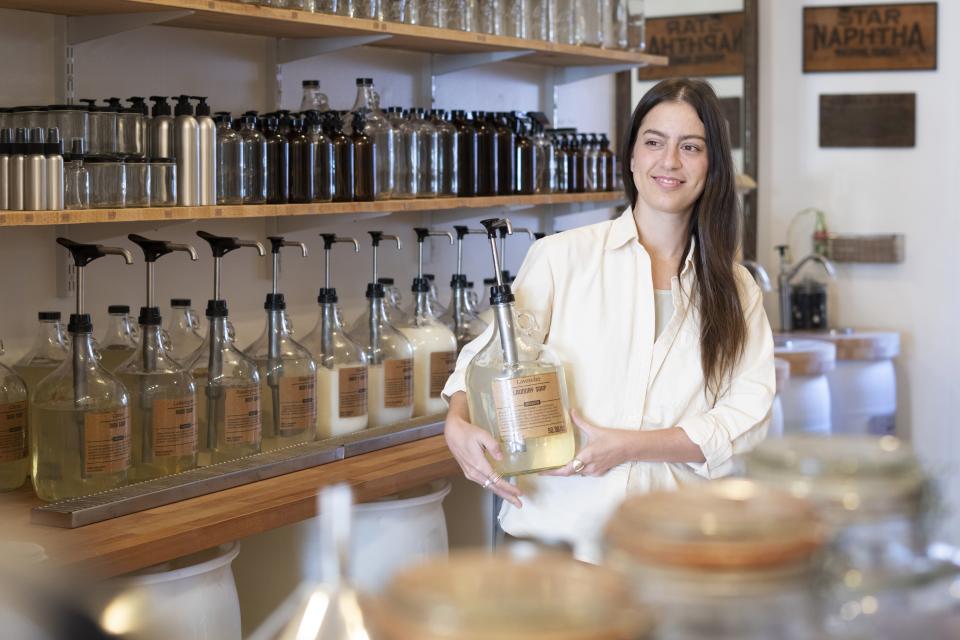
[84, 254]
[500, 293]
[420, 283]
[153, 250]
[374, 288]
[328, 294]
[221, 246]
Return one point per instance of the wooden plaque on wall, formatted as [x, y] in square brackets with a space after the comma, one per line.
[699, 45]
[878, 37]
[868, 120]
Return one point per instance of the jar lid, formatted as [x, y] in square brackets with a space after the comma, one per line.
[66, 107]
[134, 160]
[25, 109]
[859, 345]
[476, 596]
[783, 372]
[806, 357]
[167, 161]
[727, 525]
[852, 478]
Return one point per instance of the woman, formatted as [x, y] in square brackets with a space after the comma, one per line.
[664, 339]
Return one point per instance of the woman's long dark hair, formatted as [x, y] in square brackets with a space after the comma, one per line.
[715, 225]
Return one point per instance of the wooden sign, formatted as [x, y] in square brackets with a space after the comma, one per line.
[700, 45]
[879, 37]
[868, 120]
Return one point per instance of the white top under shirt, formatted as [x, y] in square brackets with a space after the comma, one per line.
[590, 290]
[663, 309]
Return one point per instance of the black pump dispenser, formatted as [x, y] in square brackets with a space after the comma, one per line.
[153, 250]
[221, 246]
[328, 294]
[184, 107]
[203, 109]
[84, 254]
[160, 106]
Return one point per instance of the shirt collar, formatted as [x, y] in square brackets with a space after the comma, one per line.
[624, 230]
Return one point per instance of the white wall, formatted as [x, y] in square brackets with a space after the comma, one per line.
[911, 191]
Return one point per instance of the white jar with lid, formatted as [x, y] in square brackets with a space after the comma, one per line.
[806, 395]
[726, 560]
[885, 580]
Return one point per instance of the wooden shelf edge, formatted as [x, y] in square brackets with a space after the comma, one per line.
[235, 17]
[172, 214]
[158, 535]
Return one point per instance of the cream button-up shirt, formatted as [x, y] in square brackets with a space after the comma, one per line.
[591, 292]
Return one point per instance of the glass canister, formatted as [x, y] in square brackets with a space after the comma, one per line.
[6, 118]
[107, 181]
[29, 117]
[726, 560]
[102, 129]
[458, 14]
[137, 176]
[71, 120]
[476, 596]
[163, 183]
[131, 135]
[884, 576]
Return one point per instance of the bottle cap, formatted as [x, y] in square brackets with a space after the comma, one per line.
[217, 308]
[53, 145]
[311, 83]
[184, 106]
[80, 323]
[458, 280]
[160, 106]
[48, 316]
[179, 302]
[223, 117]
[420, 285]
[360, 82]
[275, 302]
[386, 281]
[430, 277]
[149, 317]
[327, 296]
[375, 290]
[203, 109]
[115, 309]
[20, 140]
[501, 294]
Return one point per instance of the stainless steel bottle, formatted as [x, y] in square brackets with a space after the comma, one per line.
[160, 130]
[53, 158]
[5, 143]
[186, 149]
[15, 173]
[208, 152]
[35, 173]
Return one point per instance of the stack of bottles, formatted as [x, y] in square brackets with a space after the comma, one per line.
[616, 24]
[143, 401]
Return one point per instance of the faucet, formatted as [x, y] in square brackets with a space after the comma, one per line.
[787, 273]
[759, 274]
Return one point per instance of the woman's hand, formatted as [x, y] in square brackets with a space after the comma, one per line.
[468, 442]
[605, 449]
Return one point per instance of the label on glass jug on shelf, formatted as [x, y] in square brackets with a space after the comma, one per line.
[298, 407]
[442, 364]
[174, 427]
[353, 392]
[106, 441]
[397, 383]
[241, 414]
[13, 431]
[529, 407]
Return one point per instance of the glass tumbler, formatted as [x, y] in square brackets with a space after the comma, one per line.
[107, 182]
[137, 172]
[163, 183]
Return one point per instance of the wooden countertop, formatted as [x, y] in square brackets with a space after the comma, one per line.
[157, 535]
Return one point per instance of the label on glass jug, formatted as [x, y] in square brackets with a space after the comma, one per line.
[353, 392]
[13, 431]
[442, 364]
[174, 427]
[529, 407]
[298, 408]
[397, 383]
[241, 414]
[106, 441]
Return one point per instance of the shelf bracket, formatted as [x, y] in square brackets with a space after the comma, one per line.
[293, 49]
[444, 63]
[566, 75]
[82, 29]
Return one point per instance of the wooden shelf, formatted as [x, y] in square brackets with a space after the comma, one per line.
[235, 17]
[157, 535]
[170, 214]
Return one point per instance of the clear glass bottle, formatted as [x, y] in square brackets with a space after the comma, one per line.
[408, 154]
[435, 303]
[303, 161]
[229, 417]
[120, 340]
[366, 187]
[389, 354]
[588, 22]
[448, 153]
[313, 99]
[80, 414]
[14, 447]
[565, 24]
[48, 351]
[427, 157]
[163, 396]
[255, 161]
[183, 334]
[490, 17]
[885, 579]
[724, 560]
[393, 302]
[434, 345]
[539, 22]
[378, 128]
[612, 179]
[534, 431]
[341, 363]
[465, 325]
[230, 161]
[76, 178]
[601, 159]
[288, 373]
[621, 24]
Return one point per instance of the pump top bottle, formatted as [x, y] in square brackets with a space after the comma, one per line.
[434, 345]
[6, 143]
[389, 353]
[187, 153]
[207, 137]
[288, 373]
[516, 387]
[464, 323]
[162, 392]
[80, 413]
[341, 362]
[161, 130]
[228, 407]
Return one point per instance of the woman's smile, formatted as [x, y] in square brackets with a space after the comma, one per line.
[668, 183]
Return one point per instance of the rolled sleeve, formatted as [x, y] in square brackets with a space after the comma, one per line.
[740, 417]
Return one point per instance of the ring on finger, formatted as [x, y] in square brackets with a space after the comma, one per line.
[492, 479]
[578, 465]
